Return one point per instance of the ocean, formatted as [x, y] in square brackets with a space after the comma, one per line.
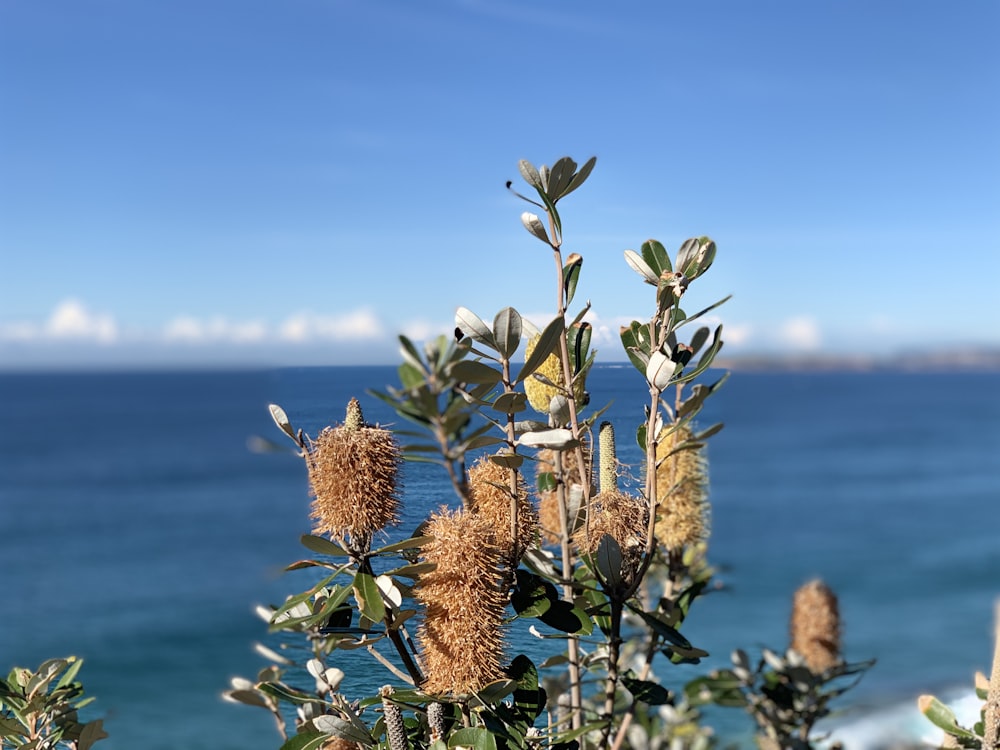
[138, 530]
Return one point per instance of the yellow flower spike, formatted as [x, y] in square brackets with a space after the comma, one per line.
[539, 393]
[683, 510]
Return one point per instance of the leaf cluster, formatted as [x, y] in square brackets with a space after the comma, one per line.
[39, 709]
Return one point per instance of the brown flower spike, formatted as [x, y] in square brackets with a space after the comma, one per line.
[461, 639]
[623, 518]
[682, 486]
[489, 497]
[353, 475]
[548, 502]
[816, 626]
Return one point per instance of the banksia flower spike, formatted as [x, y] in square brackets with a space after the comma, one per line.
[682, 485]
[490, 499]
[539, 392]
[395, 729]
[815, 626]
[353, 476]
[461, 636]
[623, 518]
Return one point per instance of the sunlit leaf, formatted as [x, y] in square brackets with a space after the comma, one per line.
[507, 332]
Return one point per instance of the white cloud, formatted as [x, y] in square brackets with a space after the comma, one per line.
[800, 333]
[71, 320]
[357, 325]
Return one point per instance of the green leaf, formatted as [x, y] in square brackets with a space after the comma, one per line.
[547, 344]
[281, 419]
[942, 716]
[578, 344]
[567, 618]
[322, 546]
[534, 225]
[496, 691]
[530, 174]
[285, 693]
[473, 326]
[507, 460]
[510, 403]
[305, 741]
[608, 559]
[507, 332]
[648, 692]
[659, 626]
[560, 176]
[477, 738]
[354, 731]
[369, 597]
[656, 257]
[580, 176]
[471, 371]
[642, 268]
[571, 275]
[412, 543]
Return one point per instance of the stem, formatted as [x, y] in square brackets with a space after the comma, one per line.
[393, 633]
[614, 652]
[573, 643]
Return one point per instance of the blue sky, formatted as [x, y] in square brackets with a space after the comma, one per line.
[297, 183]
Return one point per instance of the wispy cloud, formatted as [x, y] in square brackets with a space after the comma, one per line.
[69, 321]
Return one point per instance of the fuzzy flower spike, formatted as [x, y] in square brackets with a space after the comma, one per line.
[354, 479]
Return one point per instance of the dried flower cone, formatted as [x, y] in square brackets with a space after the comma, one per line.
[682, 485]
[461, 637]
[353, 475]
[815, 626]
[623, 518]
[549, 521]
[539, 393]
[339, 743]
[489, 496]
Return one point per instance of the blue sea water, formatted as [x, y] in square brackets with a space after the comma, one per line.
[137, 530]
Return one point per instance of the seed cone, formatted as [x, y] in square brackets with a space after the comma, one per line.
[461, 637]
[489, 495]
[623, 518]
[683, 511]
[339, 743]
[540, 393]
[815, 626]
[353, 476]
